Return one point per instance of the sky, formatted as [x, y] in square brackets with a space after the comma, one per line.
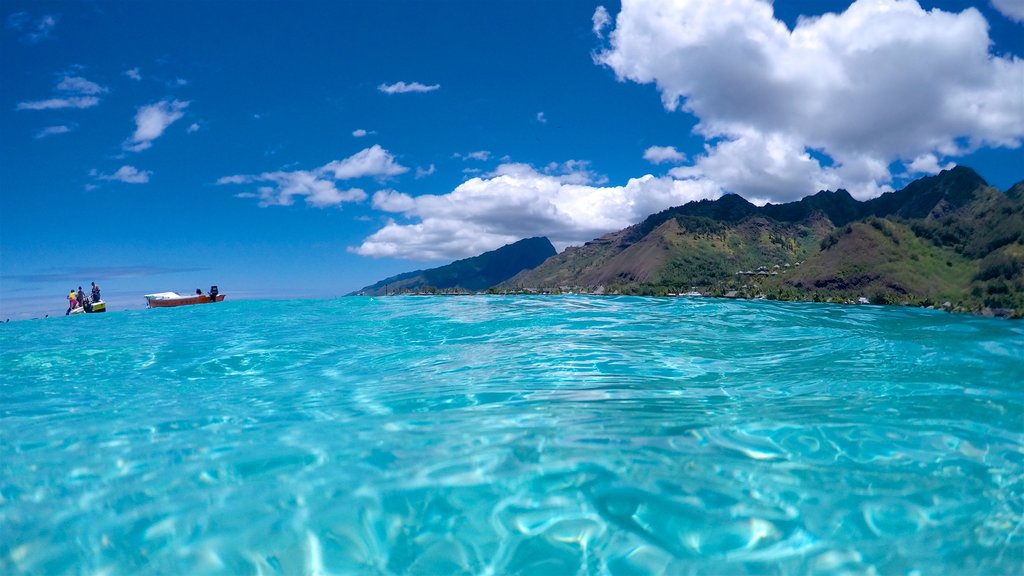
[307, 149]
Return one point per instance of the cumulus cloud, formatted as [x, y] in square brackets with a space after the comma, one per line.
[518, 201]
[319, 186]
[403, 88]
[662, 154]
[1012, 9]
[134, 74]
[152, 120]
[193, 128]
[52, 131]
[776, 168]
[542, 118]
[927, 164]
[834, 101]
[373, 161]
[361, 133]
[568, 172]
[77, 93]
[128, 175]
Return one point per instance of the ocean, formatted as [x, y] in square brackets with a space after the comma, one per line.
[512, 435]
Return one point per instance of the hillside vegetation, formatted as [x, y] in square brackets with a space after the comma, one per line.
[948, 240]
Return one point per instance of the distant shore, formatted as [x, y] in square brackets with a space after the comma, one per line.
[947, 306]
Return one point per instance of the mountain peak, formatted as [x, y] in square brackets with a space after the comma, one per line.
[839, 206]
[955, 186]
[963, 172]
[476, 273]
[1016, 191]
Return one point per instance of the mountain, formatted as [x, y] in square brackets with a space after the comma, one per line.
[471, 274]
[944, 238]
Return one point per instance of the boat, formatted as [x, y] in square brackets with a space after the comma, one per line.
[90, 308]
[171, 299]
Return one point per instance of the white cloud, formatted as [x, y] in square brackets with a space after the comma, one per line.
[152, 120]
[319, 186]
[393, 201]
[82, 94]
[78, 102]
[927, 164]
[79, 85]
[518, 201]
[884, 81]
[660, 154]
[424, 172]
[482, 155]
[193, 128]
[601, 21]
[777, 168]
[1012, 9]
[52, 131]
[317, 191]
[569, 172]
[134, 74]
[373, 161]
[359, 133]
[403, 88]
[541, 118]
[128, 175]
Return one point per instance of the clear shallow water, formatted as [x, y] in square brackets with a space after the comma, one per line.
[564, 435]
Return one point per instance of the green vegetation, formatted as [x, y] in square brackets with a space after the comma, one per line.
[948, 241]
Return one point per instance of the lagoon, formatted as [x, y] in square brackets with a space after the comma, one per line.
[503, 435]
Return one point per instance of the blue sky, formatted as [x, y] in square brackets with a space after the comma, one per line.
[306, 149]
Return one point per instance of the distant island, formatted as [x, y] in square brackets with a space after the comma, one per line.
[947, 241]
[469, 275]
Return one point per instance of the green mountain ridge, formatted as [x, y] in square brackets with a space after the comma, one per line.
[944, 238]
[470, 274]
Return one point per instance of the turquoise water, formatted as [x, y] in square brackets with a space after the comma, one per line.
[491, 435]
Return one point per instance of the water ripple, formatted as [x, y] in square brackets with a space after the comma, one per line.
[496, 435]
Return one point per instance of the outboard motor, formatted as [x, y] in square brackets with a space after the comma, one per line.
[213, 293]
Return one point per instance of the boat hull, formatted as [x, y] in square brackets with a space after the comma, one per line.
[170, 302]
